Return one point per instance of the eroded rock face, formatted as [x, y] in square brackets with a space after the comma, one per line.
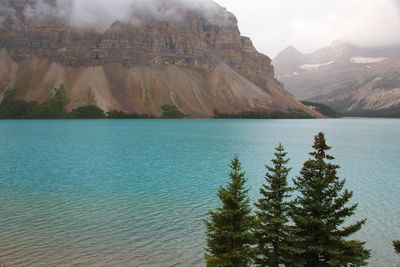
[132, 65]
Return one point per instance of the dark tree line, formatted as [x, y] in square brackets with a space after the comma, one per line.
[308, 230]
[11, 107]
[288, 114]
[54, 108]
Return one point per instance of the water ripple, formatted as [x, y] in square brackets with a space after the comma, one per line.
[134, 193]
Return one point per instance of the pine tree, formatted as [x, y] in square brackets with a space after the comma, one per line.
[396, 245]
[320, 211]
[229, 229]
[276, 241]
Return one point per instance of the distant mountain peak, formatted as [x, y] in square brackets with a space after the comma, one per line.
[289, 51]
[291, 48]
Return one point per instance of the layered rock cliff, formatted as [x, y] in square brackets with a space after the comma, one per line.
[197, 62]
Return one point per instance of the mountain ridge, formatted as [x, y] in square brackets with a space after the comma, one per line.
[355, 81]
[196, 63]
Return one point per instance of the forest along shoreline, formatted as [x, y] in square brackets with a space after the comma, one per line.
[55, 108]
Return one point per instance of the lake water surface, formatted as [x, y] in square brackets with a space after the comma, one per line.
[135, 192]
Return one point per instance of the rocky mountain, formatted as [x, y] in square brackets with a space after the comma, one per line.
[195, 60]
[356, 81]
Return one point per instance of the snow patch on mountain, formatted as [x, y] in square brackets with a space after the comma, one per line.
[367, 60]
[314, 66]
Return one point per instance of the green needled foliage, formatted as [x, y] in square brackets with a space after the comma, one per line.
[276, 240]
[88, 112]
[229, 230]
[54, 107]
[13, 108]
[172, 112]
[320, 211]
[396, 245]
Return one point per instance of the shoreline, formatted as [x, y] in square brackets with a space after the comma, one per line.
[159, 119]
[355, 117]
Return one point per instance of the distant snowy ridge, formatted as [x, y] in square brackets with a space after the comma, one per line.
[366, 60]
[314, 66]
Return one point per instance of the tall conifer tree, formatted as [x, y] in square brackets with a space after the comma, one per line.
[320, 211]
[276, 241]
[396, 245]
[229, 230]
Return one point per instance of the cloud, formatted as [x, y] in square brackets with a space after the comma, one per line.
[101, 14]
[271, 24]
[6, 11]
[376, 23]
[311, 24]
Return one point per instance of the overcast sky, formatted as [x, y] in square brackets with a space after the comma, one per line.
[312, 24]
[271, 24]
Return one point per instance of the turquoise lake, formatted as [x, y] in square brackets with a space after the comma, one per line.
[135, 192]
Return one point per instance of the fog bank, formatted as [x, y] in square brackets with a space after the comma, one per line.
[271, 24]
[101, 14]
[311, 24]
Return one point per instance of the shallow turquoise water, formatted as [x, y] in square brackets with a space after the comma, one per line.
[134, 192]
